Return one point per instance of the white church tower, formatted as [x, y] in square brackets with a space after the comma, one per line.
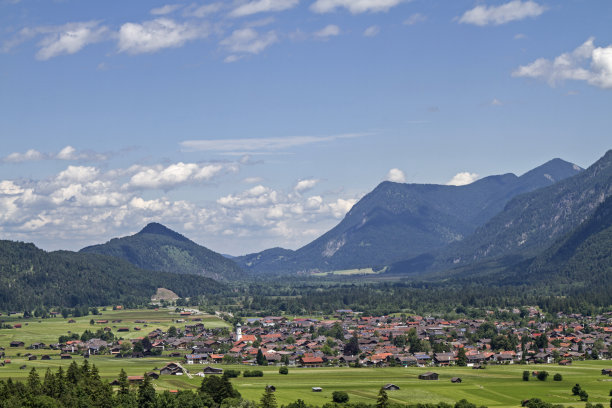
[238, 332]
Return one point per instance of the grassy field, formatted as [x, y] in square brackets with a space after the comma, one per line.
[48, 330]
[497, 386]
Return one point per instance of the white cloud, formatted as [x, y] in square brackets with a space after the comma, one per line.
[152, 36]
[78, 174]
[255, 197]
[247, 40]
[341, 207]
[371, 31]
[262, 6]
[7, 187]
[160, 177]
[252, 180]
[261, 144]
[520, 36]
[30, 155]
[515, 10]
[66, 153]
[396, 176]
[205, 10]
[330, 30]
[305, 185]
[69, 38]
[496, 102]
[354, 6]
[586, 63]
[415, 19]
[167, 9]
[463, 178]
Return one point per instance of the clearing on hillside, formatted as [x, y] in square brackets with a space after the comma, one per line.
[164, 294]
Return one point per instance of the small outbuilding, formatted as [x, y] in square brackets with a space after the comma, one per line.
[317, 389]
[428, 376]
[390, 387]
[270, 388]
[455, 380]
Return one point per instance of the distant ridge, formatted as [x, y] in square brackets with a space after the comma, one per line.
[159, 248]
[398, 221]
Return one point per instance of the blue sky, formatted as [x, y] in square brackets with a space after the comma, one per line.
[249, 124]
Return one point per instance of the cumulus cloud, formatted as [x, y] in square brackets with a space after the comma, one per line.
[160, 177]
[152, 36]
[586, 63]
[330, 30]
[396, 176]
[463, 178]
[305, 185]
[483, 15]
[262, 6]
[247, 40]
[78, 174]
[262, 144]
[167, 9]
[82, 204]
[371, 31]
[354, 6]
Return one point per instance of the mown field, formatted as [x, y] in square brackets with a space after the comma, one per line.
[496, 386]
[48, 330]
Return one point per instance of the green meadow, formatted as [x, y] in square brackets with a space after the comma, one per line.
[496, 386]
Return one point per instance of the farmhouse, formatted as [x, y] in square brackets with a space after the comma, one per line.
[212, 370]
[17, 344]
[171, 369]
[428, 376]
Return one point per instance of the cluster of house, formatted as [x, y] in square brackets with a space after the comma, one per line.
[281, 340]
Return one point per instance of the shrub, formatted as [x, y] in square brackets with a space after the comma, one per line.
[340, 396]
[525, 375]
[283, 370]
[231, 373]
[542, 375]
[558, 377]
[253, 373]
[584, 396]
[576, 389]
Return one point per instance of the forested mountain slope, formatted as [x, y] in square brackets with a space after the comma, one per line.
[158, 248]
[30, 277]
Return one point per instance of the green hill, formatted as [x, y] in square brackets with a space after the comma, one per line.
[30, 277]
[158, 248]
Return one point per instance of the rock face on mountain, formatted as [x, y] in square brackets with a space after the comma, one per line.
[158, 248]
[533, 221]
[398, 221]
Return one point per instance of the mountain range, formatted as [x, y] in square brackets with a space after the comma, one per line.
[399, 221]
[528, 224]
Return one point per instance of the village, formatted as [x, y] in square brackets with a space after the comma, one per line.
[347, 339]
